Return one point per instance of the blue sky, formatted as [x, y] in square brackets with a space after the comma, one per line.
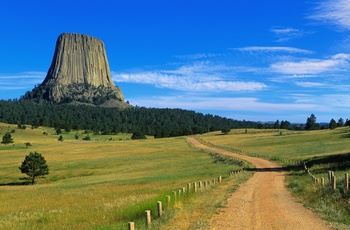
[252, 60]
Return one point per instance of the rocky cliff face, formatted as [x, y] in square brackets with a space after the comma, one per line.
[79, 72]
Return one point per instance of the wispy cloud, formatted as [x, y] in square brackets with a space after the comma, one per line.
[196, 77]
[198, 56]
[304, 104]
[290, 78]
[286, 33]
[337, 62]
[20, 80]
[341, 101]
[184, 83]
[335, 12]
[308, 84]
[243, 104]
[273, 49]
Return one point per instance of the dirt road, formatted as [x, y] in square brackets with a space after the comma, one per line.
[263, 202]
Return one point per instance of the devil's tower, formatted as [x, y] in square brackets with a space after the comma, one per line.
[79, 72]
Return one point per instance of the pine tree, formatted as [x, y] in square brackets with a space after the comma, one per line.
[7, 139]
[311, 123]
[332, 124]
[34, 165]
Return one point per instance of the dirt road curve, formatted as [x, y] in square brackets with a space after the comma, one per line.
[262, 202]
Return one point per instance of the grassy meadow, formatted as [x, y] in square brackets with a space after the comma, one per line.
[105, 182]
[321, 150]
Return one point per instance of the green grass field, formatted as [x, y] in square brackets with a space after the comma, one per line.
[321, 150]
[106, 182]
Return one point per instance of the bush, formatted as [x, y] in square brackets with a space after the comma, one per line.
[138, 136]
[87, 138]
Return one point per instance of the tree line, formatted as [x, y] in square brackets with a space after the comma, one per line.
[149, 121]
[144, 121]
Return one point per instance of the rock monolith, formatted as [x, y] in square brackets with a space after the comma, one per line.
[79, 73]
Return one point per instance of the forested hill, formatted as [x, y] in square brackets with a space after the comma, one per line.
[149, 121]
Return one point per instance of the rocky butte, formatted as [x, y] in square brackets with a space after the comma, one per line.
[79, 73]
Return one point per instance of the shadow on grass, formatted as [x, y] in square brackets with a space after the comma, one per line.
[16, 183]
[331, 162]
[276, 169]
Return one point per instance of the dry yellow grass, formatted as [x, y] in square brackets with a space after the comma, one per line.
[292, 145]
[91, 182]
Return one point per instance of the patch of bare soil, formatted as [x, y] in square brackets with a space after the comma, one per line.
[263, 202]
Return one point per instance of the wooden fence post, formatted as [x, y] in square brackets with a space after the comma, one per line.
[330, 177]
[346, 181]
[219, 179]
[169, 200]
[189, 187]
[160, 210]
[174, 193]
[195, 186]
[148, 218]
[322, 181]
[334, 182]
[131, 226]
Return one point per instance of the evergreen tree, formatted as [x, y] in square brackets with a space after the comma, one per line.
[332, 124]
[276, 125]
[138, 135]
[58, 130]
[340, 122]
[311, 123]
[285, 125]
[225, 130]
[34, 165]
[347, 122]
[7, 139]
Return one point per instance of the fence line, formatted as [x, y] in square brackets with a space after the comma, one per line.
[179, 194]
[240, 151]
[332, 179]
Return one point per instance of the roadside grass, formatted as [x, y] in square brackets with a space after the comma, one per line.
[321, 150]
[105, 182]
[195, 212]
[291, 145]
[331, 205]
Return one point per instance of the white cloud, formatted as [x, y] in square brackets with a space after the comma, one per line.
[336, 12]
[308, 84]
[196, 77]
[21, 80]
[286, 33]
[222, 103]
[273, 49]
[183, 83]
[290, 78]
[198, 56]
[331, 102]
[313, 66]
[296, 108]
